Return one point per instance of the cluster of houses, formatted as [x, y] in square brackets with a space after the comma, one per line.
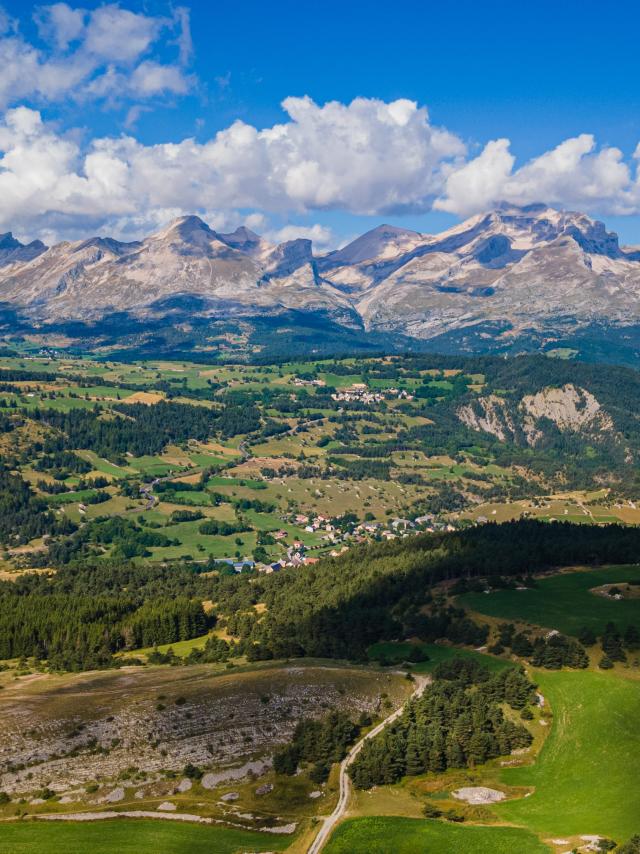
[296, 557]
[398, 528]
[339, 537]
[362, 531]
[313, 524]
[360, 392]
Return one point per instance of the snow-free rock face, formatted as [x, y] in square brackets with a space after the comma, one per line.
[227, 272]
[14, 252]
[524, 267]
[521, 271]
[570, 409]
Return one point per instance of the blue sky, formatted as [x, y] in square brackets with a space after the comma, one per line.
[496, 88]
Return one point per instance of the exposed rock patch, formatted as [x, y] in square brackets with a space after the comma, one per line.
[114, 796]
[570, 409]
[478, 795]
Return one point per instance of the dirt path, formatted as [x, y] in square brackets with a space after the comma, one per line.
[331, 821]
[587, 512]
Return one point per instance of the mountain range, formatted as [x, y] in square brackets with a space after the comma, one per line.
[508, 274]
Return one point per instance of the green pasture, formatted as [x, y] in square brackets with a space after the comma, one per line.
[70, 497]
[217, 481]
[563, 601]
[132, 836]
[200, 546]
[154, 466]
[208, 460]
[585, 779]
[180, 648]
[395, 835]
[104, 466]
[398, 652]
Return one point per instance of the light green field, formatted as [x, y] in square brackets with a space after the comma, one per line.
[153, 466]
[563, 601]
[208, 460]
[70, 497]
[132, 836]
[394, 835]
[586, 777]
[180, 648]
[104, 466]
[215, 482]
[200, 546]
[198, 498]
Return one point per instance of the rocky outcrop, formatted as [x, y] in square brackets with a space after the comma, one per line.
[489, 415]
[569, 408]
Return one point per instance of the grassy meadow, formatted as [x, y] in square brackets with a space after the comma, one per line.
[387, 834]
[564, 601]
[585, 779]
[133, 836]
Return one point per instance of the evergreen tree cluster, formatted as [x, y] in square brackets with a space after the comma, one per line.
[79, 618]
[457, 723]
[24, 516]
[161, 621]
[137, 429]
[557, 651]
[552, 652]
[614, 644]
[319, 743]
[214, 650]
[375, 592]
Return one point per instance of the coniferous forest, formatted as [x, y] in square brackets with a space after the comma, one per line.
[458, 722]
[80, 616]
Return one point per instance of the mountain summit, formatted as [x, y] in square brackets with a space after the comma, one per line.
[513, 271]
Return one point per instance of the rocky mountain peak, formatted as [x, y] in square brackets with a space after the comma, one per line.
[242, 238]
[190, 229]
[537, 223]
[8, 241]
[515, 271]
[288, 257]
[13, 251]
[384, 241]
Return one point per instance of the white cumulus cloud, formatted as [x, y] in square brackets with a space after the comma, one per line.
[320, 235]
[574, 174]
[106, 53]
[364, 157]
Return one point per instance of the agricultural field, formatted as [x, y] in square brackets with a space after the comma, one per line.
[299, 459]
[585, 779]
[407, 836]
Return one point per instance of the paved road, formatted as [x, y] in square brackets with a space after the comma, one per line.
[330, 822]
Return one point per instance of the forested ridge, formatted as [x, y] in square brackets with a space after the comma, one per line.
[78, 618]
[343, 605]
[24, 516]
[87, 611]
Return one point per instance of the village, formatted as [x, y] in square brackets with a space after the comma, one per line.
[360, 393]
[340, 534]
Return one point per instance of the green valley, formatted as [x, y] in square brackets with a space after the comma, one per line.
[218, 580]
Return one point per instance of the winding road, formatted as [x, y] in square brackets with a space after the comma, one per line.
[331, 821]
